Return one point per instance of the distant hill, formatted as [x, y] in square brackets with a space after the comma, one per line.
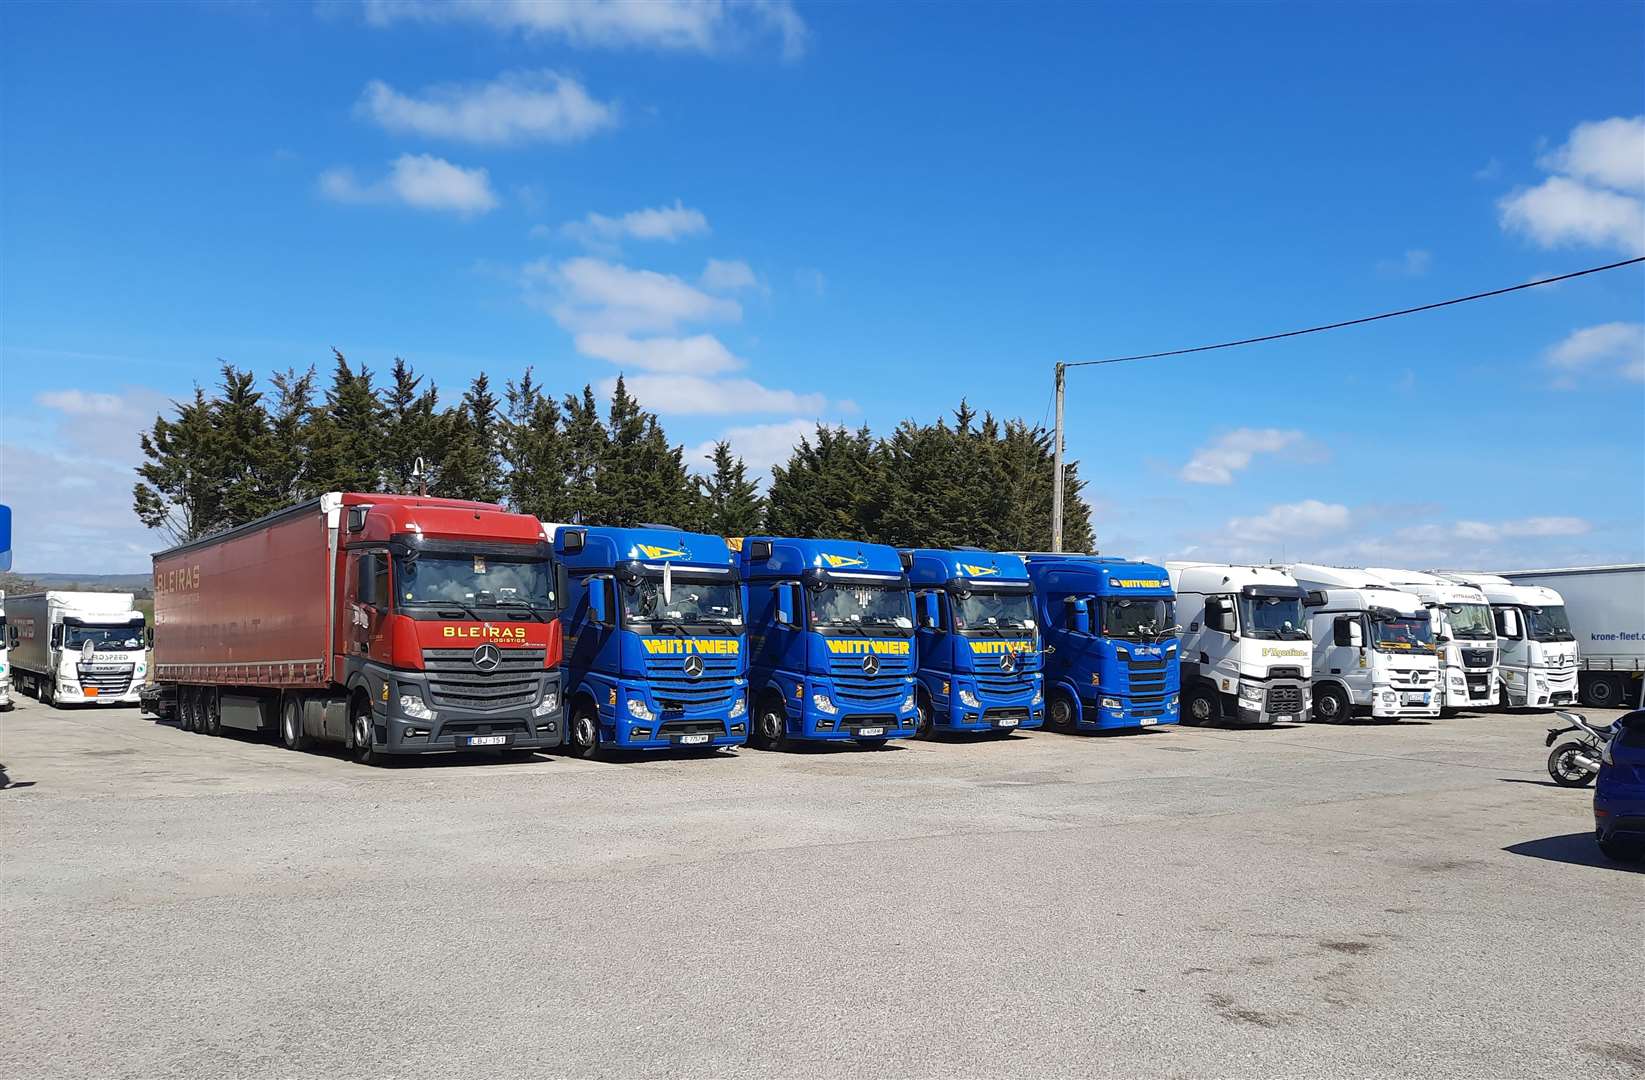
[132, 583]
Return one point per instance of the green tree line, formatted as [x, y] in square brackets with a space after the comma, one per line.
[244, 450]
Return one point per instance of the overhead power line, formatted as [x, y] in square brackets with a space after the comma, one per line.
[1355, 322]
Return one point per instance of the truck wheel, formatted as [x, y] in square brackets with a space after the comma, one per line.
[211, 717]
[925, 724]
[1202, 705]
[291, 724]
[1060, 715]
[1330, 704]
[585, 732]
[1601, 692]
[359, 733]
[185, 708]
[770, 726]
[48, 694]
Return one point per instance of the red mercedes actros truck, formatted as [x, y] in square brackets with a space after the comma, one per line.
[394, 624]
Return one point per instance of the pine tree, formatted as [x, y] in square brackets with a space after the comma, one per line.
[584, 449]
[641, 477]
[239, 441]
[535, 452]
[286, 468]
[177, 491]
[411, 430]
[730, 503]
[346, 435]
[472, 467]
[833, 486]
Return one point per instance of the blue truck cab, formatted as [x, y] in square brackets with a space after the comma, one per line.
[977, 639]
[655, 643]
[1111, 647]
[831, 641]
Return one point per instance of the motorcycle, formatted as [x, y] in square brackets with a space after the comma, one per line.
[1576, 763]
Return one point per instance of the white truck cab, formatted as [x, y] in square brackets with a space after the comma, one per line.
[1465, 632]
[78, 647]
[1245, 649]
[1373, 646]
[5, 666]
[1536, 649]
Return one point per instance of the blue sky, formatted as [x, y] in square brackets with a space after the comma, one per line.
[768, 214]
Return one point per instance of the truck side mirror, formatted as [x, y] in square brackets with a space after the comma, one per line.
[1346, 632]
[596, 599]
[573, 540]
[366, 588]
[759, 551]
[357, 518]
[1507, 624]
[57, 637]
[927, 606]
[1078, 615]
[787, 611]
[148, 636]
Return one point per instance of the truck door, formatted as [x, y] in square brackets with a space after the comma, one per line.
[931, 610]
[366, 635]
[1513, 647]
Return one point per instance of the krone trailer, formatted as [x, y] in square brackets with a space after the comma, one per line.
[1605, 606]
[77, 648]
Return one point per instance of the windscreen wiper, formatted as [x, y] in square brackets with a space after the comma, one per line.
[527, 604]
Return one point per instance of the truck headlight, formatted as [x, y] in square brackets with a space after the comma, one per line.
[822, 704]
[549, 704]
[1388, 696]
[1111, 703]
[969, 700]
[1039, 698]
[1541, 684]
[739, 706]
[908, 703]
[638, 709]
[414, 706]
[1250, 692]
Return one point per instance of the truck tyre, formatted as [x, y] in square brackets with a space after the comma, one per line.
[925, 724]
[48, 694]
[584, 736]
[1059, 716]
[1201, 705]
[770, 725]
[211, 719]
[359, 732]
[291, 724]
[185, 708]
[1601, 692]
[1331, 705]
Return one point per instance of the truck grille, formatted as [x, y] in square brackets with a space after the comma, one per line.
[455, 683]
[1147, 706]
[112, 683]
[684, 693]
[1285, 699]
[841, 666]
[674, 728]
[1413, 680]
[1004, 686]
[880, 692]
[1285, 673]
[1479, 686]
[1147, 676]
[1477, 658]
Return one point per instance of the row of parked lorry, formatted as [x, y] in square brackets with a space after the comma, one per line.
[408, 624]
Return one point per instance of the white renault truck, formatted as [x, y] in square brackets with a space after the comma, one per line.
[5, 665]
[1373, 646]
[78, 647]
[1536, 648]
[1606, 608]
[1246, 654]
[1464, 632]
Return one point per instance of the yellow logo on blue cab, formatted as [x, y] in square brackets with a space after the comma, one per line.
[838, 561]
[652, 551]
[978, 571]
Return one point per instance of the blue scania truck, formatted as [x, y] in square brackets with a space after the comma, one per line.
[977, 639]
[831, 641]
[655, 652]
[1110, 632]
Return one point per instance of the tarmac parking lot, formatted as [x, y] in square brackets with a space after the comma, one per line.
[1382, 900]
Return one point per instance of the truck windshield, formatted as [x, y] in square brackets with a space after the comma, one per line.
[861, 605]
[1471, 622]
[103, 638]
[982, 611]
[690, 603]
[1138, 620]
[1548, 624]
[1403, 633]
[1272, 617]
[474, 581]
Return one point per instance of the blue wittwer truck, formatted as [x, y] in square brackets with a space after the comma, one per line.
[831, 641]
[1111, 648]
[978, 642]
[654, 639]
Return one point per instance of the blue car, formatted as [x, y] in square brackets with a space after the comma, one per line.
[1619, 794]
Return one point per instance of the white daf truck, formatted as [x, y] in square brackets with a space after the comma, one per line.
[5, 648]
[1536, 648]
[1606, 609]
[1464, 632]
[1245, 650]
[78, 647]
[1373, 646]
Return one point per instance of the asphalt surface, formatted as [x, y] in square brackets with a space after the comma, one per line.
[1412, 900]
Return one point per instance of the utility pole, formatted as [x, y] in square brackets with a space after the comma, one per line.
[1056, 465]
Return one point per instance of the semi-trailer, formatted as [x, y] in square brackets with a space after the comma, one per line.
[1373, 646]
[1246, 653]
[1464, 633]
[1536, 648]
[5, 652]
[392, 624]
[977, 642]
[1606, 609]
[830, 640]
[1110, 632]
[656, 644]
[77, 648]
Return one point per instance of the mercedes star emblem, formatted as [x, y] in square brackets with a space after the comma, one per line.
[870, 664]
[1008, 661]
[487, 657]
[693, 666]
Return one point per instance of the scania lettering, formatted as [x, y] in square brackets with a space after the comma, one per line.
[1246, 654]
[1373, 646]
[1536, 647]
[77, 648]
[393, 624]
[1110, 632]
[831, 649]
[656, 644]
[977, 643]
[1463, 631]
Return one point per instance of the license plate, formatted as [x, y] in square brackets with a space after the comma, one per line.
[1009, 721]
[1148, 721]
[1282, 719]
[1416, 699]
[693, 740]
[871, 731]
[487, 740]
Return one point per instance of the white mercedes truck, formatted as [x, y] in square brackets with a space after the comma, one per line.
[1464, 632]
[78, 647]
[1536, 648]
[1246, 654]
[1606, 608]
[5, 649]
[1373, 646]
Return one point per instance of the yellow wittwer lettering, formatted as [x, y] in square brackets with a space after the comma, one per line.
[680, 646]
[856, 648]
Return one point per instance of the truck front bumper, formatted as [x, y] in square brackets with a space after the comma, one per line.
[526, 726]
[1402, 704]
[991, 712]
[1465, 689]
[1113, 713]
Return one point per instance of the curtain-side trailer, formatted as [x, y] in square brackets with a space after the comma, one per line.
[1606, 609]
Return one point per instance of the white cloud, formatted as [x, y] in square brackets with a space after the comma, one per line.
[1490, 533]
[523, 106]
[1414, 263]
[700, 354]
[706, 26]
[1610, 153]
[678, 394]
[1616, 345]
[728, 275]
[589, 295]
[84, 402]
[1560, 212]
[667, 223]
[759, 445]
[416, 180]
[1217, 461]
[1309, 519]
